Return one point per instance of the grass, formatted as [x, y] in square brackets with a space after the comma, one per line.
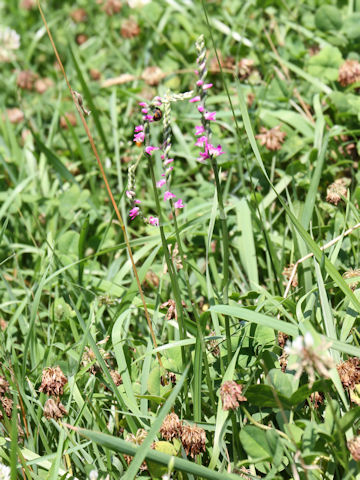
[179, 310]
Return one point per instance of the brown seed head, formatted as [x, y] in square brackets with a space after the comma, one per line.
[25, 79]
[287, 274]
[27, 4]
[53, 381]
[136, 440]
[81, 38]
[43, 84]
[111, 7]
[231, 395]
[282, 339]
[95, 74]
[349, 372]
[354, 448]
[245, 67]
[130, 28]
[349, 72]
[53, 408]
[3, 324]
[152, 75]
[337, 190]
[116, 377]
[213, 345]
[79, 15]
[317, 398]
[272, 139]
[7, 405]
[70, 117]
[193, 439]
[4, 386]
[352, 273]
[171, 427]
[14, 115]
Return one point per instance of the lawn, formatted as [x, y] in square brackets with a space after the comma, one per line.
[179, 232]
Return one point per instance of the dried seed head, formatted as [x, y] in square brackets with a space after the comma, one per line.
[193, 439]
[317, 398]
[151, 279]
[272, 139]
[7, 405]
[79, 15]
[352, 273]
[81, 38]
[14, 115]
[112, 6]
[282, 339]
[245, 67]
[283, 361]
[213, 345]
[349, 72]
[349, 372]
[95, 74]
[152, 75]
[53, 408]
[130, 28]
[231, 395]
[25, 79]
[337, 190]
[43, 84]
[27, 5]
[354, 448]
[287, 274]
[171, 427]
[53, 381]
[68, 117]
[136, 440]
[116, 377]
[4, 386]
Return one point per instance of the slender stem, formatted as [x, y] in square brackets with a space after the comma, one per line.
[195, 312]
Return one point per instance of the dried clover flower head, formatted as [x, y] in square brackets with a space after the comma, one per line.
[130, 28]
[53, 381]
[193, 439]
[7, 405]
[283, 361]
[349, 72]
[352, 273]
[349, 372]
[287, 274]
[112, 6]
[282, 339]
[68, 117]
[25, 79]
[337, 190]
[79, 15]
[136, 440]
[354, 448]
[43, 84]
[116, 377]
[272, 139]
[214, 345]
[4, 386]
[152, 75]
[53, 408]
[231, 395]
[171, 427]
[317, 398]
[14, 115]
[245, 67]
[310, 359]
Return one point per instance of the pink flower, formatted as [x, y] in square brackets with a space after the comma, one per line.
[169, 160]
[207, 85]
[168, 195]
[179, 204]
[154, 221]
[160, 183]
[196, 72]
[150, 149]
[148, 117]
[200, 141]
[129, 193]
[168, 170]
[139, 137]
[134, 212]
[204, 155]
[200, 159]
[137, 201]
[139, 128]
[144, 111]
[210, 116]
[199, 83]
[143, 104]
[199, 129]
[195, 99]
[200, 108]
[215, 152]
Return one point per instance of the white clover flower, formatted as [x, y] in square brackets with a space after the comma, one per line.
[4, 472]
[93, 475]
[137, 3]
[9, 41]
[308, 358]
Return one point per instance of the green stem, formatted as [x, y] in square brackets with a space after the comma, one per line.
[197, 414]
[226, 253]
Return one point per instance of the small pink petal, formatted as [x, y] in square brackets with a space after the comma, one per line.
[207, 85]
[195, 99]
[200, 108]
[169, 160]
[199, 83]
[160, 183]
[168, 195]
[150, 149]
[143, 104]
[179, 204]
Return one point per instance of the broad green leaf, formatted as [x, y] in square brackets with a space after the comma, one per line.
[325, 64]
[328, 18]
